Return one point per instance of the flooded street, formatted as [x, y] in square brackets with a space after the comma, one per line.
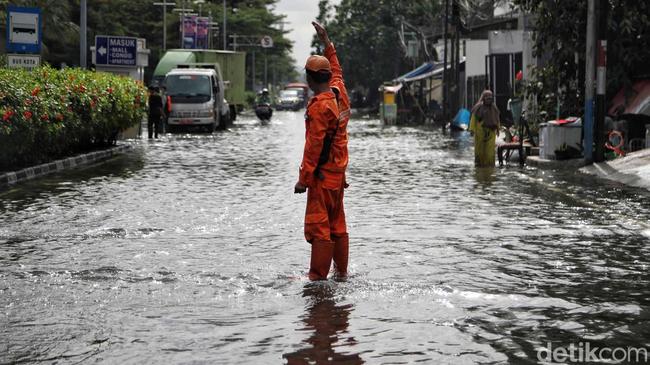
[189, 249]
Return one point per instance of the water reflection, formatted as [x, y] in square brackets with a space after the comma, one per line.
[328, 323]
[454, 265]
[485, 175]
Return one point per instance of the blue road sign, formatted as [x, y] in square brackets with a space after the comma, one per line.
[23, 30]
[116, 51]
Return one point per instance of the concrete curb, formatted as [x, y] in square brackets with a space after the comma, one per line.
[631, 170]
[11, 178]
[542, 163]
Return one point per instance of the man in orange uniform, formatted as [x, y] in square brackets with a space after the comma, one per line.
[325, 158]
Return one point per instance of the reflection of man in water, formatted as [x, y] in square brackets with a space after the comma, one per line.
[329, 322]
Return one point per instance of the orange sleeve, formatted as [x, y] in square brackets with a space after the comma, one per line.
[321, 115]
[337, 71]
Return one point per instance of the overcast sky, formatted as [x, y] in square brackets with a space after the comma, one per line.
[300, 14]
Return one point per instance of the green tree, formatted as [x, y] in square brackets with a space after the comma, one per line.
[366, 34]
[251, 18]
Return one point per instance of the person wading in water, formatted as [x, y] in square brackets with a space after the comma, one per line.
[484, 125]
[325, 159]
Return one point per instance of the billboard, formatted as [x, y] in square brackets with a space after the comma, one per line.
[202, 30]
[189, 31]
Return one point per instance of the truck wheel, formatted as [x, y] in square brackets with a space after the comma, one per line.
[233, 113]
[221, 123]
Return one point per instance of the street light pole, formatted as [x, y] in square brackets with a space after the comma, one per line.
[225, 38]
[200, 4]
[83, 47]
[164, 5]
[266, 80]
[590, 70]
[183, 26]
[601, 82]
[445, 74]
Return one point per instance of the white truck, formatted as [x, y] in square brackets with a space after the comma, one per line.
[197, 98]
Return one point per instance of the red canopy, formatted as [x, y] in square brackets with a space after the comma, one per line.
[638, 102]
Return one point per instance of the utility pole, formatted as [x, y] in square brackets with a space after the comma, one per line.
[266, 80]
[225, 37]
[83, 47]
[456, 15]
[601, 81]
[589, 83]
[164, 5]
[253, 69]
[210, 29]
[183, 25]
[445, 77]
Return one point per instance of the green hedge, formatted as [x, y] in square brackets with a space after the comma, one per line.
[47, 113]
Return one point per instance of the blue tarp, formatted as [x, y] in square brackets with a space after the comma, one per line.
[461, 120]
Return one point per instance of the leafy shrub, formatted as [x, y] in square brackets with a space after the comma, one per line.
[47, 113]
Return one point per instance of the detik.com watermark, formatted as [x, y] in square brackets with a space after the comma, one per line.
[585, 352]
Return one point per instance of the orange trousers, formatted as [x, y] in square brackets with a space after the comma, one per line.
[326, 230]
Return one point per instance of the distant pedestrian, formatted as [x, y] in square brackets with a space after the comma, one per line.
[484, 125]
[325, 159]
[155, 111]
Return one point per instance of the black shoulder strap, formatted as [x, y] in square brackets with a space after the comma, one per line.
[329, 139]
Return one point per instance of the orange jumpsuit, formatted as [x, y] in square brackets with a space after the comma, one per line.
[325, 226]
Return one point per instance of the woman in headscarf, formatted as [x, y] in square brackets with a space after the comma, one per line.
[484, 124]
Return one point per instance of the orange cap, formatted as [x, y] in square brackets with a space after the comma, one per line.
[318, 63]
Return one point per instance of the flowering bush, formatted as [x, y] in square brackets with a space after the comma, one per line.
[48, 113]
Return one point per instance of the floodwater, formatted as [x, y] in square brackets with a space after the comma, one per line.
[189, 249]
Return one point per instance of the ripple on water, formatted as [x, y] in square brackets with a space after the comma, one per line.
[190, 249]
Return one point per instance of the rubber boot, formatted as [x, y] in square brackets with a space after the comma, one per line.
[341, 251]
[321, 259]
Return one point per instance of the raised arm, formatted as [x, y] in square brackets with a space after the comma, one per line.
[330, 53]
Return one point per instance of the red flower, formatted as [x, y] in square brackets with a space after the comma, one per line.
[27, 114]
[7, 115]
[36, 90]
[92, 103]
[59, 117]
[110, 90]
[45, 117]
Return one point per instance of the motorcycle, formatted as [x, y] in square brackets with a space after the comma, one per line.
[264, 111]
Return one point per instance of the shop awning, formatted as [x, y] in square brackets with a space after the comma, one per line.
[426, 70]
[638, 102]
[422, 69]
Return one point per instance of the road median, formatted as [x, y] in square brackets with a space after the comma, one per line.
[8, 179]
